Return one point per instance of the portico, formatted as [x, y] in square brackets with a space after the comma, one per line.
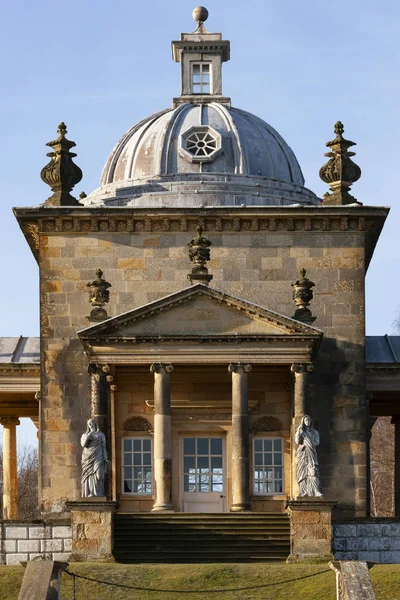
[183, 381]
[19, 387]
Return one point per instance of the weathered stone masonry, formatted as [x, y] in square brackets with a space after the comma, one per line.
[256, 254]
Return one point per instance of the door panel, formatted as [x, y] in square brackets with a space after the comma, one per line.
[203, 474]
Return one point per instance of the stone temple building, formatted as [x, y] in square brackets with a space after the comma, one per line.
[198, 304]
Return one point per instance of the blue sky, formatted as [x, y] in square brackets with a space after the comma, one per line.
[101, 66]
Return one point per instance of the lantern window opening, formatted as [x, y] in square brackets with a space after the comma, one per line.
[201, 78]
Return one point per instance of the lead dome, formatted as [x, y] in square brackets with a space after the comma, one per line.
[202, 151]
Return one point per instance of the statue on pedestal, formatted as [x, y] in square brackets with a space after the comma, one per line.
[307, 465]
[94, 460]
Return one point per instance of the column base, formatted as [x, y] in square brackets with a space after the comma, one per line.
[240, 508]
[162, 508]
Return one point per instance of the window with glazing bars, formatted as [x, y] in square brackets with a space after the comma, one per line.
[203, 465]
[201, 82]
[137, 466]
[268, 465]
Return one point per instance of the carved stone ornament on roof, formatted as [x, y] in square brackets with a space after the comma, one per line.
[61, 173]
[340, 172]
[302, 295]
[137, 424]
[199, 254]
[99, 295]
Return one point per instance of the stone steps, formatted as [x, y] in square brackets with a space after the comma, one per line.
[201, 538]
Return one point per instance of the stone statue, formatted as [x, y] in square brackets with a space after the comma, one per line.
[94, 460]
[307, 439]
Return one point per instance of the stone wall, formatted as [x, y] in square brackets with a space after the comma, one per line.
[255, 257]
[375, 542]
[21, 541]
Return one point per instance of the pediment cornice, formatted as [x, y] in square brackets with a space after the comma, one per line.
[113, 329]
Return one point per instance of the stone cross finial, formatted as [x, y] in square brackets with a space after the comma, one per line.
[199, 254]
[99, 295]
[302, 295]
[61, 173]
[340, 172]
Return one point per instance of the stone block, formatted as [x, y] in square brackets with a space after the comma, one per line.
[358, 544]
[62, 532]
[51, 545]
[346, 556]
[16, 533]
[344, 530]
[340, 544]
[369, 556]
[390, 529]
[390, 557]
[15, 559]
[28, 545]
[381, 543]
[68, 545]
[39, 533]
[310, 516]
[395, 543]
[40, 556]
[61, 556]
[315, 532]
[370, 530]
[10, 546]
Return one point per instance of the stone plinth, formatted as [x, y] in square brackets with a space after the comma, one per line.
[92, 528]
[310, 529]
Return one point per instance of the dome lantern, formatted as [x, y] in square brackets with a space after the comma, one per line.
[201, 55]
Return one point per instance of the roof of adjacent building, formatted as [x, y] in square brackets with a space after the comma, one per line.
[19, 350]
[383, 349]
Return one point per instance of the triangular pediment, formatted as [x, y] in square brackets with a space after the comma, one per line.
[198, 311]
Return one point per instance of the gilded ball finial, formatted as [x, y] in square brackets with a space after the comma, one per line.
[200, 14]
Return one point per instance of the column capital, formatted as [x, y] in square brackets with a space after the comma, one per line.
[98, 369]
[302, 367]
[9, 421]
[161, 368]
[237, 367]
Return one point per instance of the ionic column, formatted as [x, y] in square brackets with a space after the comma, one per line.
[396, 423]
[99, 395]
[162, 436]
[301, 372]
[10, 481]
[240, 438]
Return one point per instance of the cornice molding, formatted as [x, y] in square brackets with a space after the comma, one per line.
[36, 222]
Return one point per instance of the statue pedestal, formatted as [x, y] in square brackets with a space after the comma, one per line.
[92, 528]
[310, 529]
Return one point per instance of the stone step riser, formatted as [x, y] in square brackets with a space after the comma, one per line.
[201, 538]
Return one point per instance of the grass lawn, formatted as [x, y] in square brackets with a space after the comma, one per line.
[318, 585]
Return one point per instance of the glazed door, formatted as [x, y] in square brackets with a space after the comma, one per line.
[203, 474]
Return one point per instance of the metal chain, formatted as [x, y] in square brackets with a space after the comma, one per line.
[203, 591]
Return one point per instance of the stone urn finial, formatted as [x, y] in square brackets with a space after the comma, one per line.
[302, 295]
[340, 172]
[61, 173]
[99, 295]
[199, 254]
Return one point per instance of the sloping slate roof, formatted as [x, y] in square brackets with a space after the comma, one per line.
[383, 348]
[19, 350]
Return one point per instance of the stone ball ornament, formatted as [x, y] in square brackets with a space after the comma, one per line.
[200, 14]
